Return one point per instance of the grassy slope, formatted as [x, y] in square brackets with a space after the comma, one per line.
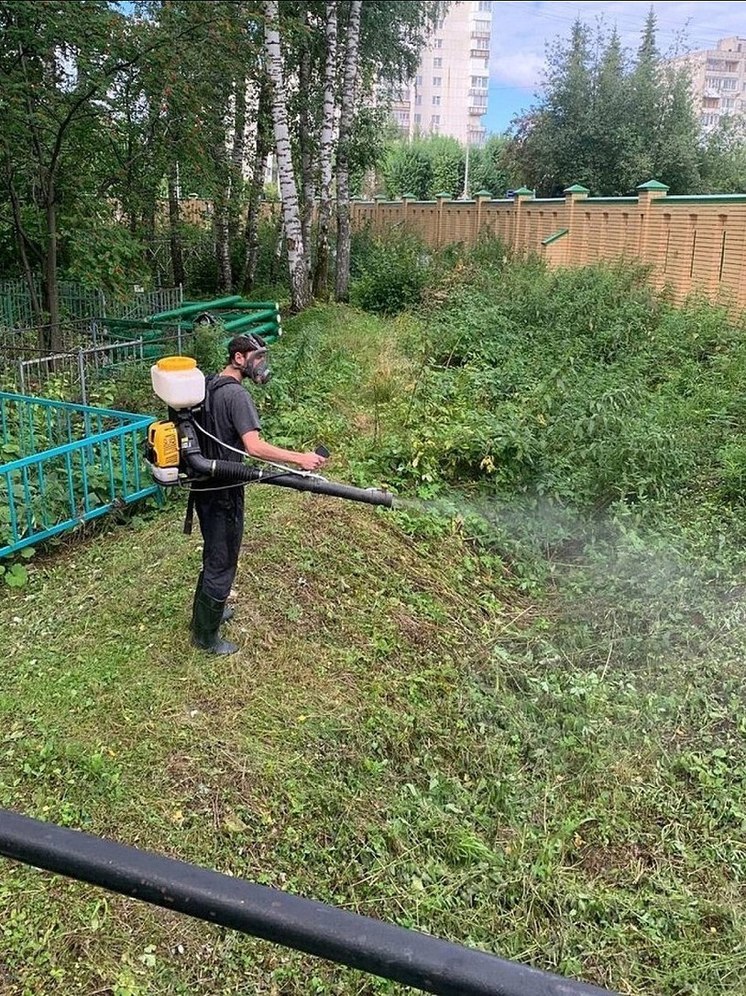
[394, 737]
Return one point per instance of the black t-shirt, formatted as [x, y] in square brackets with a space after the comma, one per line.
[232, 413]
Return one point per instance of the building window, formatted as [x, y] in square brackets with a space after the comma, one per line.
[418, 100]
[721, 83]
[708, 119]
[418, 119]
[715, 64]
[731, 67]
[480, 82]
[418, 81]
[436, 101]
[439, 43]
[729, 103]
[435, 119]
[437, 63]
[437, 80]
[710, 102]
[485, 6]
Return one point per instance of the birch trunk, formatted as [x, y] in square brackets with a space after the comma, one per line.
[221, 227]
[300, 291]
[174, 224]
[251, 233]
[347, 107]
[305, 140]
[321, 275]
[238, 153]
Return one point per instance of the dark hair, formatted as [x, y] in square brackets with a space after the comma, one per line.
[243, 344]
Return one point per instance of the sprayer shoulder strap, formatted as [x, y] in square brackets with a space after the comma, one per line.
[205, 414]
[213, 383]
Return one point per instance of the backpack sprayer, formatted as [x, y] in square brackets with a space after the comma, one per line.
[175, 455]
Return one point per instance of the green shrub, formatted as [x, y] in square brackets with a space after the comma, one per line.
[392, 275]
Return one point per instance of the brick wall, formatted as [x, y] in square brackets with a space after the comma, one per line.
[692, 244]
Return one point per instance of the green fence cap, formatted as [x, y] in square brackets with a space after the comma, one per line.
[653, 185]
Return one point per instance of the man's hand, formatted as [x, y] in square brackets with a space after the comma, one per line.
[255, 446]
[310, 461]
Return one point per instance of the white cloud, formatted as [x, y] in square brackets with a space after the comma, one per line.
[519, 69]
[521, 31]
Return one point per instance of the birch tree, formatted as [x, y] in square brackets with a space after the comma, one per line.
[347, 107]
[262, 146]
[321, 274]
[300, 291]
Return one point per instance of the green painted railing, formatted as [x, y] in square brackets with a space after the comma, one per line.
[65, 465]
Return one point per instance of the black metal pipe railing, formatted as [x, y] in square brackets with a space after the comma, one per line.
[402, 955]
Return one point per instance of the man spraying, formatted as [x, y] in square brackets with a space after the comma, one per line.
[231, 430]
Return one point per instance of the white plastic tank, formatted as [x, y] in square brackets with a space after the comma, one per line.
[177, 381]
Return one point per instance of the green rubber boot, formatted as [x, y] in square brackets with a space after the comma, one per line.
[208, 615]
[228, 611]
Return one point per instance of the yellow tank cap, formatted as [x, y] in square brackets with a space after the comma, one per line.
[173, 363]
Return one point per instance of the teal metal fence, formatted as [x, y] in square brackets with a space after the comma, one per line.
[66, 464]
[78, 302]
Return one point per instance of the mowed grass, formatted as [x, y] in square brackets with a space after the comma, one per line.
[402, 734]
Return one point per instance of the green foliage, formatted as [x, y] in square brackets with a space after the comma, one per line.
[428, 166]
[102, 254]
[448, 165]
[489, 169]
[407, 170]
[392, 275]
[208, 348]
[582, 385]
[723, 158]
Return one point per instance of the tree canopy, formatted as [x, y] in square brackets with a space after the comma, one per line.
[608, 119]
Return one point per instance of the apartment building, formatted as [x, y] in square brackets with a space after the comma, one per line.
[718, 80]
[448, 96]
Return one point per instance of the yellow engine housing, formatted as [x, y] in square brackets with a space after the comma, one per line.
[163, 447]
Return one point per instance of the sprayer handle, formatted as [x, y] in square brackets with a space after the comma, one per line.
[322, 451]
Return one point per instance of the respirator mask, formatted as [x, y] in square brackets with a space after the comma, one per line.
[255, 365]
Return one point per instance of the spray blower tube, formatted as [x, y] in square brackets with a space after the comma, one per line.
[232, 471]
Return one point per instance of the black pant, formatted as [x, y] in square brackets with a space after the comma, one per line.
[220, 515]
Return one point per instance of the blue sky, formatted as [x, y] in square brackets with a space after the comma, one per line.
[520, 32]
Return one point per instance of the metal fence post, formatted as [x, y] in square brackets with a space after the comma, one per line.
[81, 374]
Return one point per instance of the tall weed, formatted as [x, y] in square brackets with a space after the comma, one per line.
[584, 385]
